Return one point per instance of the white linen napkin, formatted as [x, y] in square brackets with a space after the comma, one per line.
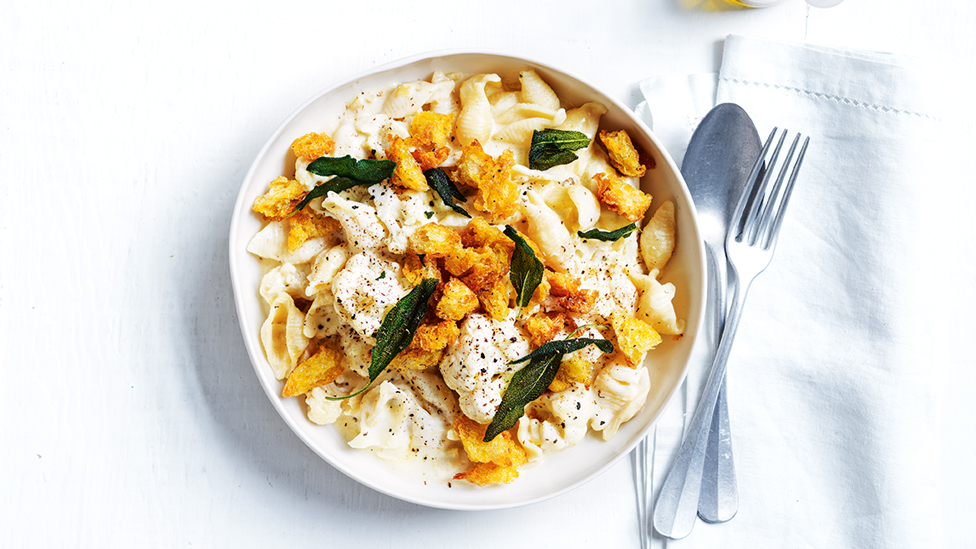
[832, 395]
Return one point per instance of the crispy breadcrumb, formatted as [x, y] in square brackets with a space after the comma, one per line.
[415, 269]
[623, 154]
[484, 474]
[479, 232]
[573, 369]
[497, 193]
[307, 224]
[408, 173]
[434, 240]
[621, 197]
[435, 337]
[494, 462]
[566, 289]
[414, 358]
[321, 368]
[280, 200]
[543, 327]
[457, 301]
[431, 130]
[634, 337]
[495, 299]
[312, 146]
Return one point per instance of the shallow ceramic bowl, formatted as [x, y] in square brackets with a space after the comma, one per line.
[560, 472]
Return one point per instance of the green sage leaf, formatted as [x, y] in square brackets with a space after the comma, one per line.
[364, 171]
[348, 173]
[531, 381]
[525, 386]
[438, 180]
[526, 271]
[336, 184]
[399, 326]
[566, 346]
[608, 236]
[397, 330]
[552, 147]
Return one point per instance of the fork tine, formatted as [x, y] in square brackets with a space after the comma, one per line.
[760, 203]
[739, 225]
[789, 191]
[762, 235]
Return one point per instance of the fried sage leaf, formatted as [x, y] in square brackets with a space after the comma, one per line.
[364, 171]
[398, 329]
[526, 271]
[608, 236]
[348, 173]
[531, 381]
[565, 346]
[438, 180]
[525, 386]
[552, 147]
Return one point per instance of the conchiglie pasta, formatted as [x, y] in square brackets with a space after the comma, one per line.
[585, 119]
[535, 90]
[283, 336]
[656, 307]
[621, 392]
[549, 231]
[475, 121]
[409, 98]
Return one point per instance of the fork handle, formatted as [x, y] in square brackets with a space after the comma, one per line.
[676, 509]
[719, 498]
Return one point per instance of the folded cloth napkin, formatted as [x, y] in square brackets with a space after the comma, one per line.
[832, 393]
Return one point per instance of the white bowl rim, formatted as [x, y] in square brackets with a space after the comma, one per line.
[254, 349]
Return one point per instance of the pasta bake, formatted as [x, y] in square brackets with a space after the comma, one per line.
[459, 275]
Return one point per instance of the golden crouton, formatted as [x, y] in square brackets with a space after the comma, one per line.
[495, 299]
[408, 173]
[497, 193]
[485, 273]
[312, 146]
[623, 154]
[657, 238]
[416, 269]
[431, 130]
[479, 232]
[435, 337]
[573, 369]
[414, 358]
[494, 462]
[430, 159]
[544, 327]
[429, 135]
[321, 368]
[621, 197]
[634, 337]
[434, 240]
[280, 200]
[307, 224]
[457, 301]
[484, 474]
[460, 260]
[568, 294]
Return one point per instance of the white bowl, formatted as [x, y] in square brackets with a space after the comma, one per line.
[560, 472]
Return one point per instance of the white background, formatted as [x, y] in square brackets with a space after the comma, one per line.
[130, 412]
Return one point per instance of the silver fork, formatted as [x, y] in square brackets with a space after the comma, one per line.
[749, 246]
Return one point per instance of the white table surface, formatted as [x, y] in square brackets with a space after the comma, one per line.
[131, 414]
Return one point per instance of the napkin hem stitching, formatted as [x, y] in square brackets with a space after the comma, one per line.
[829, 97]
